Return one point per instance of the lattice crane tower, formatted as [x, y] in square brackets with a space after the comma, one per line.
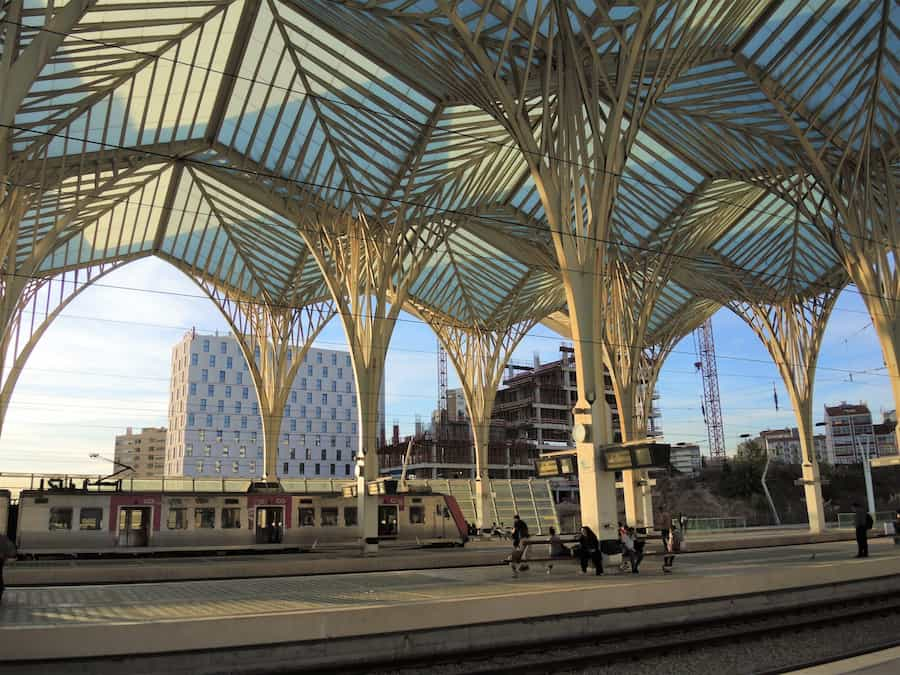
[705, 347]
[442, 389]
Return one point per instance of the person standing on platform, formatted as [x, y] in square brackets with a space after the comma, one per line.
[589, 550]
[664, 518]
[863, 521]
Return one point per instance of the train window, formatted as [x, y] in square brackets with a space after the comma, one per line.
[307, 517]
[231, 518]
[350, 516]
[60, 518]
[90, 519]
[204, 518]
[416, 515]
[329, 517]
[177, 519]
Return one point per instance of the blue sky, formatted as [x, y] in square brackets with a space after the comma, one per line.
[104, 366]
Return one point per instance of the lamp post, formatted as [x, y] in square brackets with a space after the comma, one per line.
[766, 487]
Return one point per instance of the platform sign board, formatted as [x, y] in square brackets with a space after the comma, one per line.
[559, 465]
[547, 468]
[640, 455]
[892, 460]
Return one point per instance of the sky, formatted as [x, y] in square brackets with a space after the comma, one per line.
[104, 365]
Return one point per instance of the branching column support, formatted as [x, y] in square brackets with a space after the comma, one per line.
[274, 336]
[26, 321]
[369, 266]
[574, 105]
[480, 356]
[792, 332]
[855, 177]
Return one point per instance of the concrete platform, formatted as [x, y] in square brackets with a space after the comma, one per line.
[347, 559]
[316, 620]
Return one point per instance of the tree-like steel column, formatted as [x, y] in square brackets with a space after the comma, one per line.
[574, 102]
[480, 356]
[274, 338]
[792, 331]
[369, 266]
[41, 301]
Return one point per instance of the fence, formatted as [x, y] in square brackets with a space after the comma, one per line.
[716, 523]
[847, 519]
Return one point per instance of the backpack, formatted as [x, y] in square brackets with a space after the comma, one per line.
[869, 522]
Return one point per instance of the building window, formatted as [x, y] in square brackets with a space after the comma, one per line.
[202, 404]
[202, 434]
[324, 371]
[212, 360]
[340, 400]
[209, 420]
[293, 453]
[318, 412]
[222, 376]
[309, 371]
[308, 425]
[190, 419]
[318, 357]
[307, 516]
[237, 436]
[245, 393]
[254, 408]
[220, 406]
[176, 519]
[416, 515]
[347, 442]
[204, 519]
[229, 363]
[218, 466]
[211, 390]
[90, 519]
[334, 359]
[332, 469]
[318, 385]
[237, 407]
[207, 451]
[242, 451]
[199, 466]
[317, 470]
[353, 428]
[333, 414]
[189, 450]
[294, 396]
[193, 388]
[239, 377]
[323, 453]
[309, 397]
[204, 375]
[225, 451]
[284, 468]
[338, 458]
[206, 345]
[324, 399]
[324, 427]
[228, 391]
[329, 516]
[308, 454]
[253, 437]
[340, 373]
[227, 422]
[287, 411]
[348, 360]
[333, 441]
[231, 518]
[293, 425]
[350, 516]
[347, 387]
[346, 469]
[333, 385]
[195, 359]
[340, 427]
[244, 422]
[302, 467]
[252, 467]
[223, 347]
[318, 441]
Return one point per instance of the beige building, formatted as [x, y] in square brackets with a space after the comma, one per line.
[145, 452]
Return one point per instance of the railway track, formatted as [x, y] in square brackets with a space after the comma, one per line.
[661, 650]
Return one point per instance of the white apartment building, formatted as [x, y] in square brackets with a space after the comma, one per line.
[215, 428]
[783, 445]
[145, 452]
[848, 433]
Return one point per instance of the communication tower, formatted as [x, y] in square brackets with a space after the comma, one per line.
[705, 347]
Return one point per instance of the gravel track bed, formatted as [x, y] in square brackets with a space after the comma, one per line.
[773, 645]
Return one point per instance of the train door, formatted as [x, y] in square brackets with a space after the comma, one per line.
[134, 525]
[269, 524]
[387, 521]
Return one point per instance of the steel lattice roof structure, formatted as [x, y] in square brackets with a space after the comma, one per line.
[460, 158]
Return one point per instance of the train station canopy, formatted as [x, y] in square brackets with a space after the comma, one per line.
[204, 132]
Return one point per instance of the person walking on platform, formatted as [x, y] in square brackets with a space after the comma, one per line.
[630, 549]
[664, 518]
[863, 522]
[520, 546]
[673, 545]
[589, 550]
